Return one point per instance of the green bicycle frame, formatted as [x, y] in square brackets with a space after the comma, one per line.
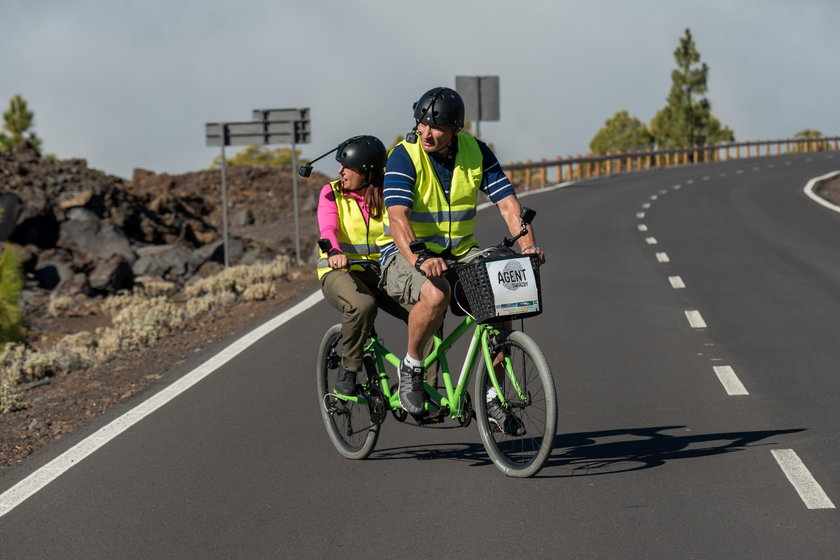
[453, 399]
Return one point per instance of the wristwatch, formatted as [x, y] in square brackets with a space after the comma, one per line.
[537, 247]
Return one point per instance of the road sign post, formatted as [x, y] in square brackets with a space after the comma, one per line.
[270, 126]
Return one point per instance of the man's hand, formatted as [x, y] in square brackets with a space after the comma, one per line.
[433, 267]
[534, 250]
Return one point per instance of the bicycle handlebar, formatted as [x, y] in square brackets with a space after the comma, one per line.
[419, 247]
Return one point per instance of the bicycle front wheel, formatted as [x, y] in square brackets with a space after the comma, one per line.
[521, 446]
[348, 423]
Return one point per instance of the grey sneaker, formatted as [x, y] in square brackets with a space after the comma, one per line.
[345, 382]
[504, 418]
[411, 389]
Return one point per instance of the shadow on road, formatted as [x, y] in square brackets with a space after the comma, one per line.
[604, 452]
[612, 451]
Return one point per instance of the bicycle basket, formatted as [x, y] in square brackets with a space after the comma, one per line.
[502, 287]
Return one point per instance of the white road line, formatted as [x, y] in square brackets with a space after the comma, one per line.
[642, 227]
[654, 197]
[695, 319]
[706, 177]
[809, 190]
[662, 257]
[722, 175]
[650, 240]
[676, 282]
[677, 187]
[640, 215]
[663, 191]
[690, 181]
[58, 466]
[730, 381]
[805, 484]
[646, 205]
[756, 169]
[739, 172]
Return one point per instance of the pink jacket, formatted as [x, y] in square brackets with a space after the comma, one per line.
[328, 213]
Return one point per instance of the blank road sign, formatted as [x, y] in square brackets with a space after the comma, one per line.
[481, 97]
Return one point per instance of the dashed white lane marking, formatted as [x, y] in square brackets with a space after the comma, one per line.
[663, 191]
[654, 196]
[646, 205]
[690, 181]
[722, 175]
[788, 163]
[803, 481]
[662, 257]
[829, 156]
[676, 282]
[677, 187]
[730, 381]
[756, 168]
[706, 177]
[18, 493]
[695, 319]
[640, 215]
[650, 240]
[739, 172]
[642, 227]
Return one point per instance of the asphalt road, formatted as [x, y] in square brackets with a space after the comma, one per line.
[692, 319]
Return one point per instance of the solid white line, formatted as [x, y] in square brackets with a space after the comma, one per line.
[662, 257]
[805, 484]
[676, 282]
[58, 466]
[695, 319]
[642, 227]
[730, 381]
[650, 240]
[809, 190]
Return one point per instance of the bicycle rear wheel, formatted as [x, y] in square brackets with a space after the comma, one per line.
[348, 423]
[534, 406]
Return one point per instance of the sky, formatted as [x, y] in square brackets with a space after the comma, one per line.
[130, 85]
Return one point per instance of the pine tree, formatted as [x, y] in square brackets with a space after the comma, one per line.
[17, 120]
[621, 133]
[687, 119]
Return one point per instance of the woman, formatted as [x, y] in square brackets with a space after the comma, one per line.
[350, 211]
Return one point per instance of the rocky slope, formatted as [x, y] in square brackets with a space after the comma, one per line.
[87, 232]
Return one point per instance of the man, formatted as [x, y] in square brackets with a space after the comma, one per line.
[431, 192]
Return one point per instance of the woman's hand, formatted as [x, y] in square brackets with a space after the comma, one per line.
[338, 260]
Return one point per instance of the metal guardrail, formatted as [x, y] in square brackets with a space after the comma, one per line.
[529, 174]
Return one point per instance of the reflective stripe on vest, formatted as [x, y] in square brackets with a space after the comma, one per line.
[356, 238]
[443, 223]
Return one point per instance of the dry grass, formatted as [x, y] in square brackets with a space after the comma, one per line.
[138, 319]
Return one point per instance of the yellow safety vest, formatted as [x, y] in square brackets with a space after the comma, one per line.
[443, 223]
[356, 237]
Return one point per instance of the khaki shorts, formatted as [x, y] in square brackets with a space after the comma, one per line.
[402, 281]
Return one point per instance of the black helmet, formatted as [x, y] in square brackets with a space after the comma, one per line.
[440, 105]
[361, 153]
